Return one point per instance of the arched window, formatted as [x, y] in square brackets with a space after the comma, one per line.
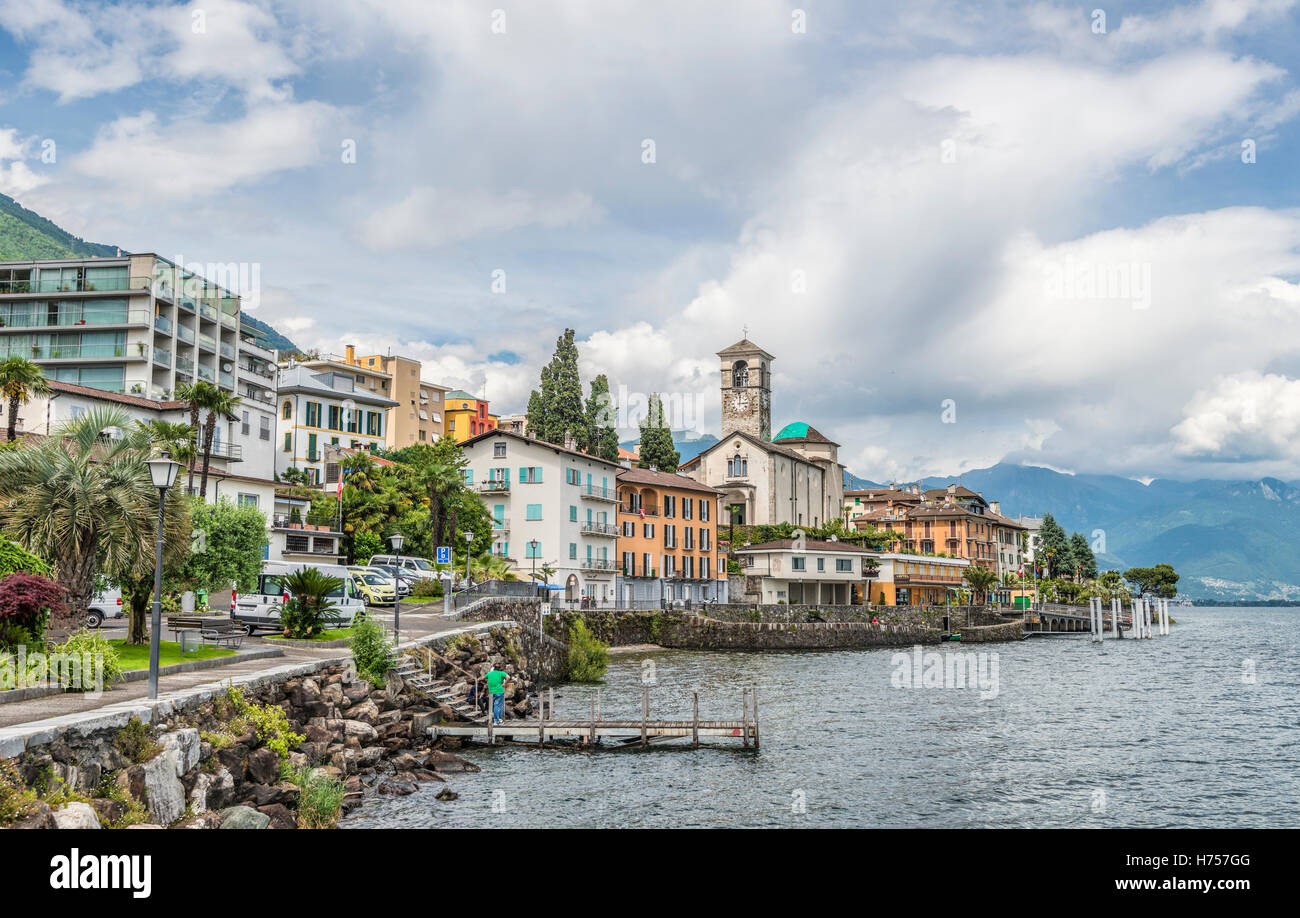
[740, 373]
[286, 412]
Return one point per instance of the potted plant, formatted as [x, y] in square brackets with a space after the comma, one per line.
[139, 344]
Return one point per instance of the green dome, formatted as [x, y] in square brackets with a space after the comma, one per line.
[796, 431]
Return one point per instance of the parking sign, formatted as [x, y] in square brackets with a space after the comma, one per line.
[546, 608]
[444, 554]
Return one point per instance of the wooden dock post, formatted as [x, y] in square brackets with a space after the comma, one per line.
[645, 713]
[599, 713]
[744, 717]
[489, 719]
[695, 724]
[591, 738]
[551, 704]
[754, 694]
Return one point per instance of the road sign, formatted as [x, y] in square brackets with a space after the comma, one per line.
[444, 554]
[546, 608]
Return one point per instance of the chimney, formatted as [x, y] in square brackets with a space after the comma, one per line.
[996, 506]
[350, 353]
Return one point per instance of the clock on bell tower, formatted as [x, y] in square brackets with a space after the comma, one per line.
[746, 389]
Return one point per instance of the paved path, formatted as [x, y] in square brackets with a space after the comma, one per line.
[415, 624]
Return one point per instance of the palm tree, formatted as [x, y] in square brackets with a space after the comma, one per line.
[20, 379]
[174, 439]
[492, 567]
[221, 403]
[441, 480]
[196, 395]
[87, 502]
[980, 579]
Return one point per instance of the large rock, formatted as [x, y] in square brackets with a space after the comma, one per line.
[280, 815]
[243, 817]
[263, 766]
[76, 816]
[163, 789]
[446, 763]
[366, 711]
[185, 744]
[361, 730]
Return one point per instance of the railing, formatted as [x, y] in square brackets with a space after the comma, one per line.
[226, 379]
[500, 525]
[493, 486]
[598, 493]
[207, 312]
[226, 450]
[227, 350]
[186, 302]
[163, 324]
[59, 285]
[207, 341]
[41, 319]
[162, 356]
[84, 352]
[600, 528]
[184, 365]
[206, 374]
[229, 321]
[185, 333]
[599, 564]
[287, 521]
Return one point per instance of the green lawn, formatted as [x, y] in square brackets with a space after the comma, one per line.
[134, 656]
[336, 635]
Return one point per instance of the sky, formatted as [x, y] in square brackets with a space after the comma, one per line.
[1042, 233]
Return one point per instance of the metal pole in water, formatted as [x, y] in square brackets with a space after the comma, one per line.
[1114, 617]
[695, 724]
[744, 717]
[645, 712]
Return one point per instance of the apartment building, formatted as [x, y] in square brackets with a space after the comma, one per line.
[324, 407]
[668, 540]
[467, 416]
[805, 571]
[916, 580]
[418, 417]
[549, 506]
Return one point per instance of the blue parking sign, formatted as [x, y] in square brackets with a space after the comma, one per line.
[444, 554]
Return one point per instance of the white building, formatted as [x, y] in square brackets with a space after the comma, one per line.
[319, 409]
[805, 572]
[549, 505]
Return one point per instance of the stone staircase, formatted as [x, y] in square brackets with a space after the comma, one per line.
[438, 690]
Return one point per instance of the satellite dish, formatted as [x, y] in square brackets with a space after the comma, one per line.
[227, 367]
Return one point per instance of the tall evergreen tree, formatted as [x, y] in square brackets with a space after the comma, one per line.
[601, 436]
[1085, 562]
[657, 439]
[1054, 546]
[536, 416]
[562, 408]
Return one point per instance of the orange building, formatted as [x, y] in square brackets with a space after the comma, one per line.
[467, 416]
[668, 539]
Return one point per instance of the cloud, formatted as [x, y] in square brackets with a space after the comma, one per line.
[1247, 416]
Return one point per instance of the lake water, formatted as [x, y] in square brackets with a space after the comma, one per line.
[1200, 728]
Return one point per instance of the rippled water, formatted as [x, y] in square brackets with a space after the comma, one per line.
[1164, 732]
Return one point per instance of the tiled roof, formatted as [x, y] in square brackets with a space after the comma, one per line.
[663, 480]
[501, 432]
[138, 401]
[808, 545]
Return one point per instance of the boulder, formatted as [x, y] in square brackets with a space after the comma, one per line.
[405, 762]
[447, 794]
[76, 815]
[184, 743]
[360, 729]
[366, 711]
[243, 817]
[163, 790]
[397, 787]
[263, 766]
[110, 811]
[235, 758]
[444, 762]
[280, 815]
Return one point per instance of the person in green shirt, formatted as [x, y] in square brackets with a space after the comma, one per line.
[496, 686]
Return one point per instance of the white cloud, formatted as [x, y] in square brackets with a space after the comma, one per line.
[1245, 416]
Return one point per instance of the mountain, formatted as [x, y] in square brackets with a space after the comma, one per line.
[269, 335]
[1228, 539]
[687, 448]
[25, 235]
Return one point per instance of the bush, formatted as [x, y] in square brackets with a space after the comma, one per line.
[13, 635]
[268, 720]
[82, 645]
[309, 610]
[14, 558]
[588, 657]
[426, 589]
[28, 600]
[16, 801]
[136, 742]
[320, 798]
[370, 649]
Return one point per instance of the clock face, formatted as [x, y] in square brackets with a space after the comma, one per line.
[739, 402]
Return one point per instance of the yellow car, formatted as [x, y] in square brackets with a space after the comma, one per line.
[374, 589]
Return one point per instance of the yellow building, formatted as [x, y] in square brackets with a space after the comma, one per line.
[467, 416]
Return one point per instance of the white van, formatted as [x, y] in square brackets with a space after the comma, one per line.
[262, 608]
[420, 567]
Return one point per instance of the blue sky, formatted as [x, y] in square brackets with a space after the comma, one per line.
[968, 232]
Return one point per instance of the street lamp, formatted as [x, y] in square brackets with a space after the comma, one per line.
[162, 471]
[397, 540]
[532, 550]
[469, 540]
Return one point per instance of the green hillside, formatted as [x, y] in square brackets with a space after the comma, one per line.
[26, 235]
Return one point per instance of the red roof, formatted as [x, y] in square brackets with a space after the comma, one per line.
[138, 401]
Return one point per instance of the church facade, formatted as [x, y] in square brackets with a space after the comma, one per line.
[794, 477]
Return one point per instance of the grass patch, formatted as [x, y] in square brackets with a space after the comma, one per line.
[136, 656]
[338, 634]
[320, 798]
[136, 741]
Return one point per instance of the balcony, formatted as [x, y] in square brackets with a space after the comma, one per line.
[600, 529]
[232, 452]
[501, 525]
[60, 285]
[249, 346]
[162, 357]
[184, 365]
[85, 352]
[226, 379]
[639, 511]
[231, 322]
[320, 522]
[42, 319]
[185, 334]
[163, 324]
[187, 303]
[595, 492]
[207, 312]
[206, 374]
[227, 351]
[495, 486]
[208, 343]
[598, 564]
[256, 368]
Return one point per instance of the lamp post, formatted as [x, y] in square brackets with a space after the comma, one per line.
[162, 471]
[469, 540]
[397, 540]
[532, 550]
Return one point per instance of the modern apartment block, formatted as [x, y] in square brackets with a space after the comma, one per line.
[325, 407]
[418, 417]
[549, 506]
[668, 540]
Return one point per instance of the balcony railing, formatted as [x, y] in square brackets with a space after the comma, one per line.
[207, 342]
[187, 303]
[598, 564]
[226, 379]
[301, 521]
[84, 352]
[495, 486]
[41, 319]
[227, 350]
[60, 285]
[207, 312]
[603, 529]
[206, 374]
[162, 357]
[185, 334]
[184, 365]
[264, 370]
[226, 450]
[163, 324]
[229, 321]
[639, 511]
[500, 525]
[595, 492]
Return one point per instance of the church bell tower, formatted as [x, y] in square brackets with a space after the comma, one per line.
[746, 389]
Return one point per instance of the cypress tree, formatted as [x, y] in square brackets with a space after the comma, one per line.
[601, 436]
[657, 439]
[561, 394]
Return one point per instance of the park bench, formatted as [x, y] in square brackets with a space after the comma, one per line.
[210, 630]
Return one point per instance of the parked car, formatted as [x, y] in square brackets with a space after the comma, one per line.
[376, 588]
[419, 567]
[261, 609]
[107, 604]
[404, 578]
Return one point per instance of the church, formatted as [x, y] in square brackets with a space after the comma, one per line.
[794, 477]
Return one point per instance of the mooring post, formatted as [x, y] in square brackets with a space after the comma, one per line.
[695, 724]
[744, 717]
[489, 720]
[599, 713]
[551, 706]
[753, 692]
[645, 712]
[591, 737]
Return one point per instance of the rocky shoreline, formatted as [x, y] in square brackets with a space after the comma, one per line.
[251, 760]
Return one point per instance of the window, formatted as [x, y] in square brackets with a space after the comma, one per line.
[629, 564]
[670, 505]
[704, 539]
[688, 538]
[288, 442]
[573, 514]
[740, 373]
[704, 568]
[573, 551]
[532, 474]
[704, 511]
[799, 564]
[532, 549]
[313, 414]
[243, 426]
[247, 500]
[629, 529]
[670, 536]
[533, 512]
[374, 424]
[573, 476]
[336, 418]
[498, 450]
[686, 508]
[286, 410]
[648, 530]
[737, 466]
[265, 432]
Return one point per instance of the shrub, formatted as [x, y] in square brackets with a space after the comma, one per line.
[370, 649]
[87, 645]
[28, 600]
[320, 798]
[15, 558]
[309, 610]
[136, 741]
[16, 801]
[464, 641]
[268, 720]
[13, 635]
[588, 657]
[426, 589]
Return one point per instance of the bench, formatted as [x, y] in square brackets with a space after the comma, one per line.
[211, 631]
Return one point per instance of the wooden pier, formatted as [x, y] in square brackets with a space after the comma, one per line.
[623, 733]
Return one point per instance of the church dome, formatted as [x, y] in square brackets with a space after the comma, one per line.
[801, 432]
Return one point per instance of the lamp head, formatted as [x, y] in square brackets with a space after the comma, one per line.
[397, 540]
[162, 471]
